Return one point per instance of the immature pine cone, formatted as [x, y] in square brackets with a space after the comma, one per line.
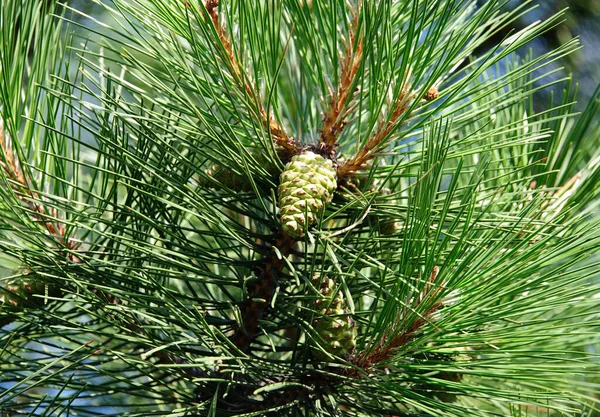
[306, 185]
[22, 291]
[334, 323]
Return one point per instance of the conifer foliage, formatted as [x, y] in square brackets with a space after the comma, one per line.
[316, 208]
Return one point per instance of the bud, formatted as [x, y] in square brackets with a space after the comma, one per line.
[431, 94]
[218, 177]
[306, 186]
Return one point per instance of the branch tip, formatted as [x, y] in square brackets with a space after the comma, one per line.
[334, 119]
[287, 145]
[394, 339]
[385, 128]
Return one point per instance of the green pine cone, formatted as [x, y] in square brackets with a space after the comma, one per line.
[226, 179]
[21, 291]
[306, 185]
[334, 323]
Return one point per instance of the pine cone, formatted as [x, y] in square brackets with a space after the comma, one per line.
[429, 388]
[335, 325]
[21, 291]
[306, 185]
[225, 178]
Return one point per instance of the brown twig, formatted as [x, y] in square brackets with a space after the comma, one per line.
[386, 346]
[22, 185]
[334, 120]
[261, 292]
[286, 144]
[385, 127]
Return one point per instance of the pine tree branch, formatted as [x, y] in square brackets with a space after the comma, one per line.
[287, 145]
[163, 255]
[387, 347]
[22, 187]
[261, 292]
[385, 127]
[334, 120]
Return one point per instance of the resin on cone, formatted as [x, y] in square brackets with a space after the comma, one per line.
[333, 323]
[306, 186]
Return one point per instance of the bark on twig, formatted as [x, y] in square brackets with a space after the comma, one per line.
[261, 292]
[386, 347]
[385, 128]
[334, 120]
[287, 145]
